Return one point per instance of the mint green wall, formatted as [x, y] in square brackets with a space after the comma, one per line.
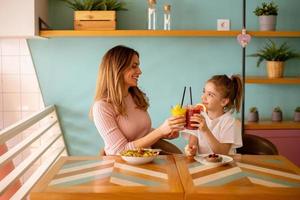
[67, 67]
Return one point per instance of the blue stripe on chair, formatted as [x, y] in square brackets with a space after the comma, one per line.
[135, 179]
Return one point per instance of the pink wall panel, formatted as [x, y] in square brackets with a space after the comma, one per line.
[286, 141]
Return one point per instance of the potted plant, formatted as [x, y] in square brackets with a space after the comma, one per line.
[267, 14]
[277, 114]
[95, 14]
[253, 115]
[297, 115]
[275, 57]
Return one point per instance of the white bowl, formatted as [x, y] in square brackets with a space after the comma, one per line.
[138, 160]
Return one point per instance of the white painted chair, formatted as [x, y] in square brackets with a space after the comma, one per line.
[45, 143]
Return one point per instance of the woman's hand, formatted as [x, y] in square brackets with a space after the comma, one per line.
[200, 122]
[172, 135]
[172, 125]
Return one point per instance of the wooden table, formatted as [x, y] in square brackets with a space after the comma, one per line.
[109, 178]
[247, 177]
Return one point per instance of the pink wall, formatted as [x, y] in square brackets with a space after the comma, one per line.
[286, 141]
[20, 94]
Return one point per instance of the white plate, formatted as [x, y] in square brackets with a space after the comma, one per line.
[138, 160]
[201, 159]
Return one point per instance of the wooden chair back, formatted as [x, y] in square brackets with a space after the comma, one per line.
[255, 145]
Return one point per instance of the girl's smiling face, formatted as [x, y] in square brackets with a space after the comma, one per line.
[212, 98]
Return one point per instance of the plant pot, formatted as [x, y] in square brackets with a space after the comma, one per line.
[95, 20]
[297, 117]
[267, 22]
[275, 69]
[253, 117]
[276, 116]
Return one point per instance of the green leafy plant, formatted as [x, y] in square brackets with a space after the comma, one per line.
[95, 4]
[266, 9]
[253, 109]
[277, 109]
[297, 109]
[271, 52]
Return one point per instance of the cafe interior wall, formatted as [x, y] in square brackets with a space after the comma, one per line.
[67, 67]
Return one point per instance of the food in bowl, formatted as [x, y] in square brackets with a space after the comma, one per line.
[139, 156]
[213, 158]
[139, 153]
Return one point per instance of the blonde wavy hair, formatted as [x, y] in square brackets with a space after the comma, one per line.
[110, 85]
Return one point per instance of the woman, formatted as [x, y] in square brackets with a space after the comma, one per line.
[120, 108]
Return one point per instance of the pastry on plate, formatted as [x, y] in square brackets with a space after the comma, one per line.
[213, 158]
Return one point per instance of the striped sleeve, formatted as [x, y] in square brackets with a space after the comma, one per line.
[105, 120]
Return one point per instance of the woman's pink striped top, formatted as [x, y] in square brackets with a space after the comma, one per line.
[119, 131]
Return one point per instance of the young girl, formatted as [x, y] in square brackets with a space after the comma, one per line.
[218, 131]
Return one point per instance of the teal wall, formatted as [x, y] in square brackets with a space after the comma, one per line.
[67, 67]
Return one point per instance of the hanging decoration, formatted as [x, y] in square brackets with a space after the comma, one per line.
[244, 38]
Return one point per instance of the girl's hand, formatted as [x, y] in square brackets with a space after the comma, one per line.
[190, 150]
[200, 122]
[171, 125]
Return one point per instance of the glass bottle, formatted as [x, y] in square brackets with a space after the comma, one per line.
[167, 17]
[151, 14]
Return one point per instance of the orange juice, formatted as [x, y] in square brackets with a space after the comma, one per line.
[178, 111]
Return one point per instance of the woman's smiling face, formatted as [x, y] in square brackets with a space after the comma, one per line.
[132, 73]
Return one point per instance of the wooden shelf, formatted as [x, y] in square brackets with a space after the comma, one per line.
[274, 33]
[163, 33]
[266, 80]
[139, 33]
[269, 125]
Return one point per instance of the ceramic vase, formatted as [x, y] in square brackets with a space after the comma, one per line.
[297, 117]
[276, 116]
[267, 23]
[253, 117]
